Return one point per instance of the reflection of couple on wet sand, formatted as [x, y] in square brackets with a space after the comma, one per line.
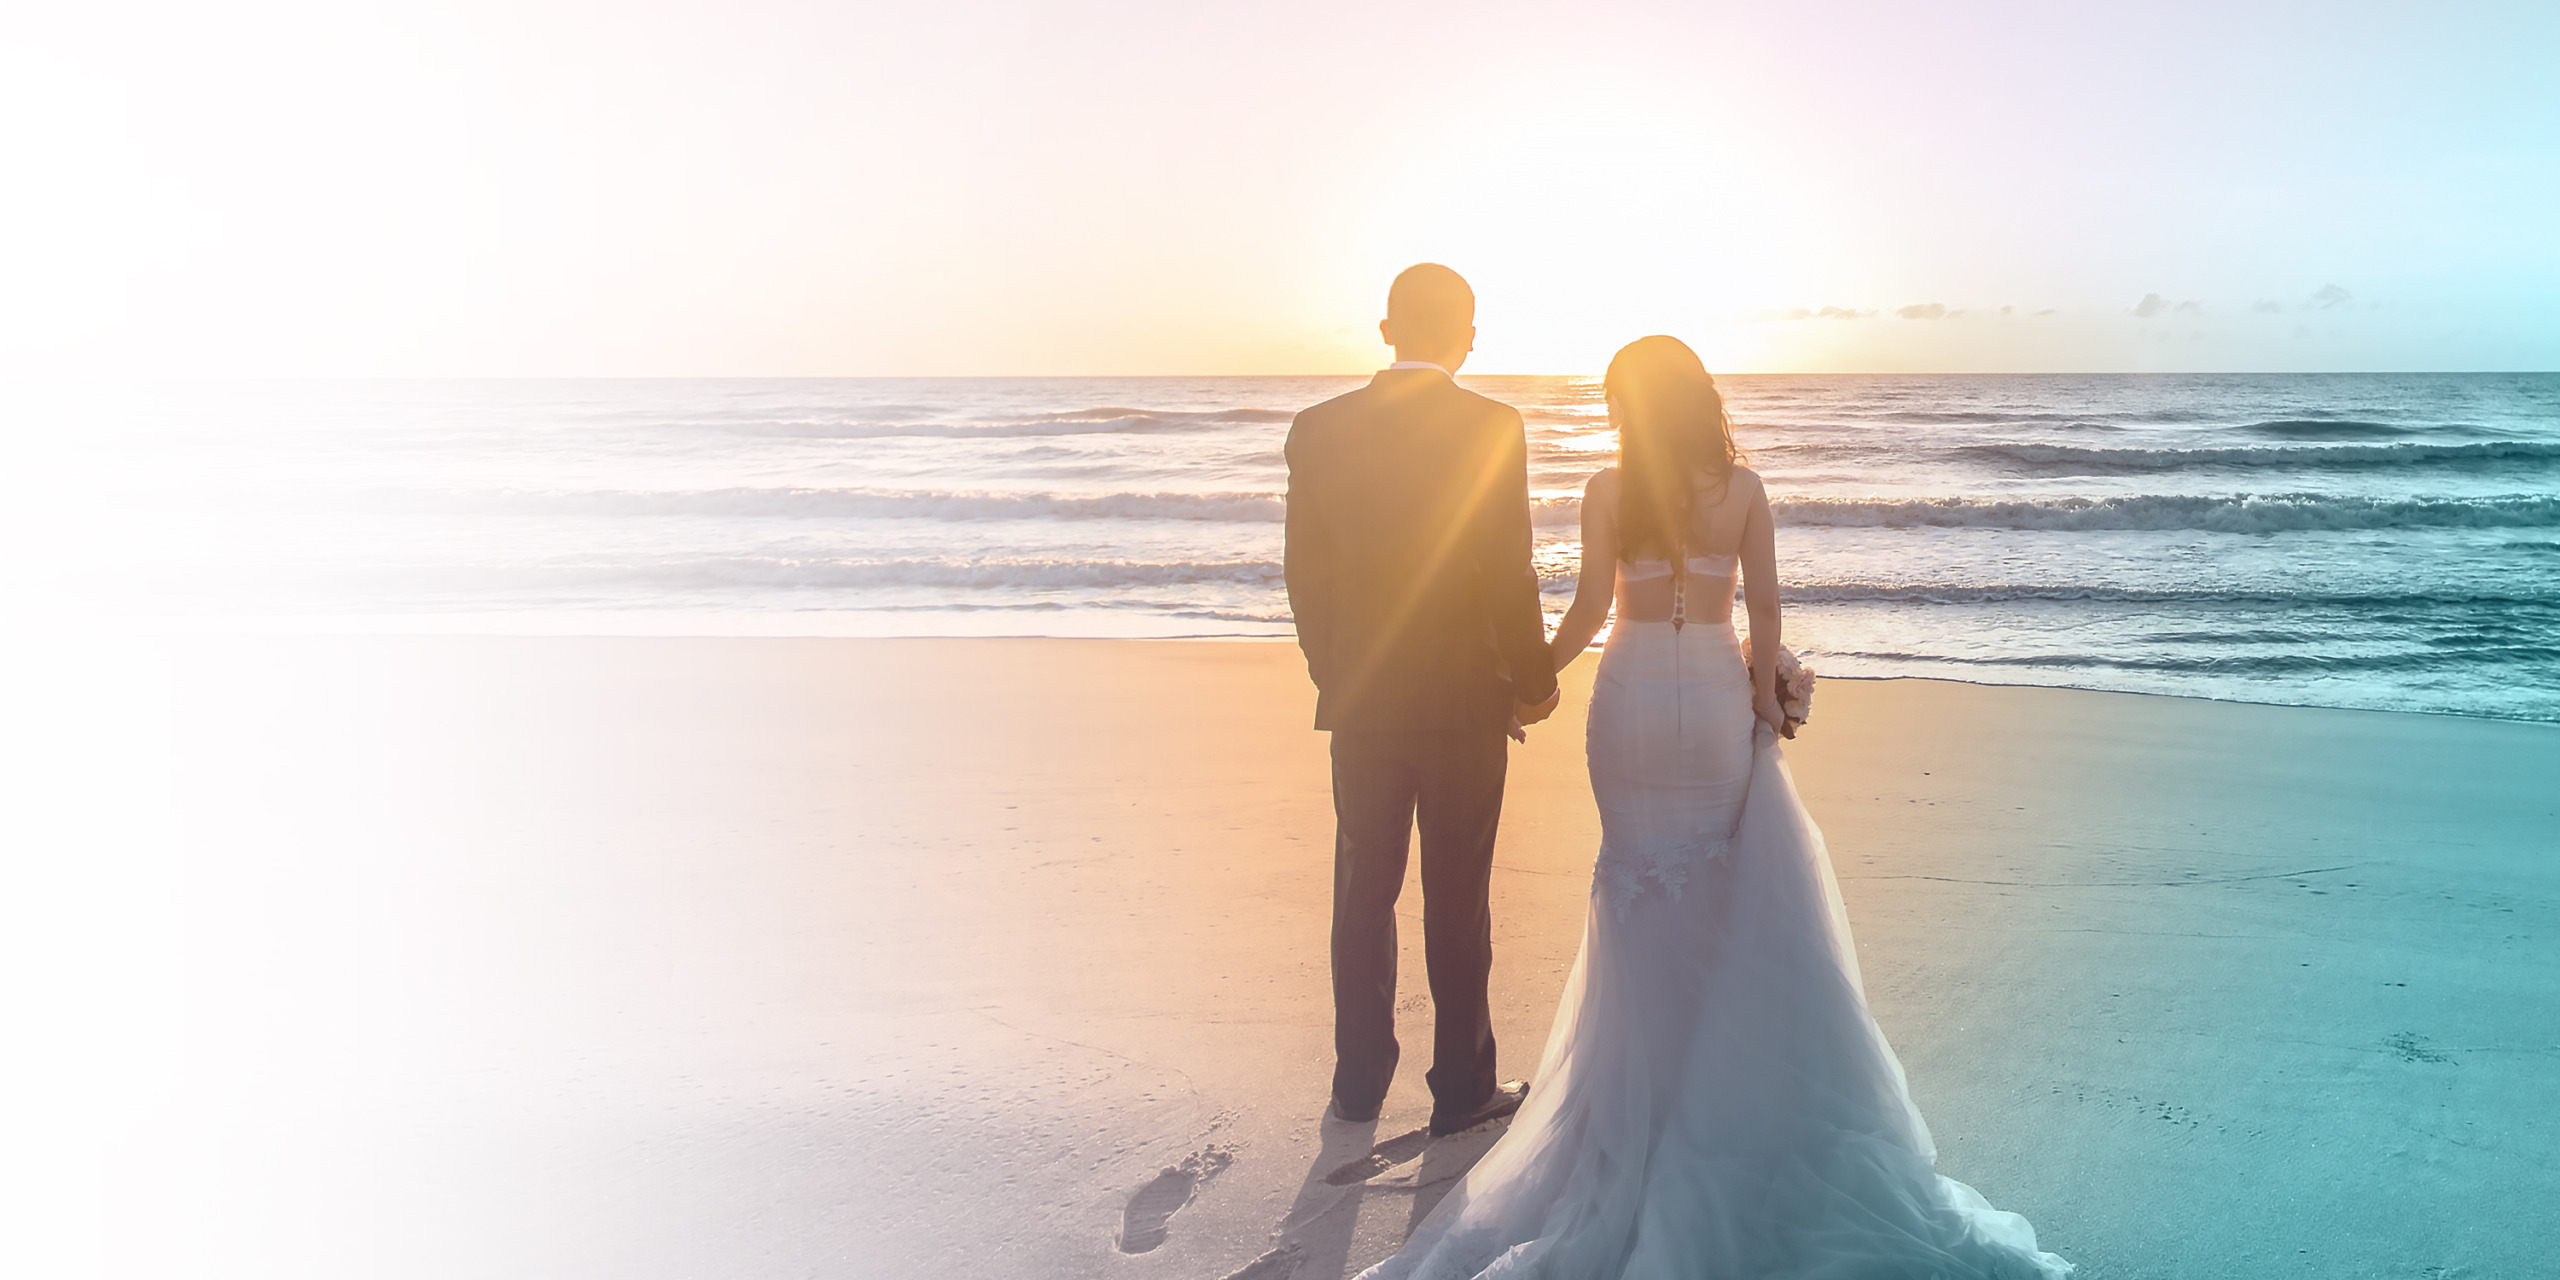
[1714, 1098]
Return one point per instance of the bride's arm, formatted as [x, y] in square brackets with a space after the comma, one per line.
[1760, 601]
[1597, 585]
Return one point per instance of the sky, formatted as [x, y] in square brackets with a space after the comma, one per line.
[750, 188]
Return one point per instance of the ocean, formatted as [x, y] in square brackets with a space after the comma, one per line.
[2387, 541]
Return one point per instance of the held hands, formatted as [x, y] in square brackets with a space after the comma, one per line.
[1524, 714]
[1765, 706]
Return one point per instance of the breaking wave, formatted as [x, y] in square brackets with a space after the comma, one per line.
[2239, 513]
[929, 504]
[1106, 420]
[938, 571]
[2055, 458]
[2239, 664]
[1903, 593]
[923, 504]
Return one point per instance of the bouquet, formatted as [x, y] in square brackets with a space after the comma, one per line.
[1795, 686]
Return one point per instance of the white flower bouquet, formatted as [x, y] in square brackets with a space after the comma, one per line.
[1795, 684]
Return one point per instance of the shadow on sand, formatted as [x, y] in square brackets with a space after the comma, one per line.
[1322, 1237]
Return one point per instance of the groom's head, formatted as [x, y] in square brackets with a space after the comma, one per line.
[1431, 315]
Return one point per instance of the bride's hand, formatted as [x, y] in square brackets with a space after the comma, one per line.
[1765, 706]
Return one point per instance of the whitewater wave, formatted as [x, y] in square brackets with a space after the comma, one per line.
[1549, 416]
[2282, 428]
[2240, 513]
[2052, 458]
[1115, 412]
[2233, 664]
[772, 572]
[956, 572]
[1962, 417]
[1908, 593]
[925, 504]
[1106, 420]
[1035, 573]
[1552, 512]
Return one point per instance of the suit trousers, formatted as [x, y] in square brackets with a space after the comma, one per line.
[1383, 781]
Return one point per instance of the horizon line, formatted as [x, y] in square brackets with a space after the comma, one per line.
[1464, 373]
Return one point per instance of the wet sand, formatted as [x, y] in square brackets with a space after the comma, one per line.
[638, 958]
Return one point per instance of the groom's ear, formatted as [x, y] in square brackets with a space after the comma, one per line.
[1387, 332]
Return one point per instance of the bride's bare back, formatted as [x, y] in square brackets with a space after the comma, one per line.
[1729, 526]
[1716, 533]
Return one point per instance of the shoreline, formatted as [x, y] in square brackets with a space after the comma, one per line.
[547, 626]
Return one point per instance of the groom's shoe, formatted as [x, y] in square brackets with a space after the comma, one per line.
[1506, 1099]
[1334, 1110]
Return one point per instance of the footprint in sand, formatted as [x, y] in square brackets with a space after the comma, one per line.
[2409, 1046]
[1382, 1157]
[1142, 1221]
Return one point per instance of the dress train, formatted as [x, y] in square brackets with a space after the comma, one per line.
[1715, 1099]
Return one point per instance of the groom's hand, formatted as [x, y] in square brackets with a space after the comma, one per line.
[1530, 713]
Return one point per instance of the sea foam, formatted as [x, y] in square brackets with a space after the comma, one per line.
[2236, 513]
[2360, 540]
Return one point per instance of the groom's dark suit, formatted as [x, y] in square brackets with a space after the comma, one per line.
[1409, 575]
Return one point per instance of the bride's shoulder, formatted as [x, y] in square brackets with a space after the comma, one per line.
[1747, 482]
[1600, 496]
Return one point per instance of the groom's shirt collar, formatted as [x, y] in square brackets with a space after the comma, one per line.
[1417, 364]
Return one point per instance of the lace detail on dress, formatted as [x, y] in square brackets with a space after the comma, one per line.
[1624, 874]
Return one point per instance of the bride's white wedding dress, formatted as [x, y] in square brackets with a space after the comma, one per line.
[1715, 1099]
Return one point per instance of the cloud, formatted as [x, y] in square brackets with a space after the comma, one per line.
[2266, 306]
[1923, 311]
[1804, 313]
[2049, 311]
[2153, 304]
[2331, 297]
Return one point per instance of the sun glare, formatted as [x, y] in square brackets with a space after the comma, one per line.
[1588, 217]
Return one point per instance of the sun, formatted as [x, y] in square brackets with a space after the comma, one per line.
[1586, 220]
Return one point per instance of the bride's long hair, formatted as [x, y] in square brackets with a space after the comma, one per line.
[1672, 432]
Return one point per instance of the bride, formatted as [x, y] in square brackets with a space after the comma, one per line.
[1715, 1099]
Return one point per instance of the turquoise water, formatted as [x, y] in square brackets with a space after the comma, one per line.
[2384, 541]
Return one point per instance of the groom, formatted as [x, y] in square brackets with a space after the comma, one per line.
[1408, 569]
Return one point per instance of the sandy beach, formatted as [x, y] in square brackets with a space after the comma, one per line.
[658, 642]
[1005, 958]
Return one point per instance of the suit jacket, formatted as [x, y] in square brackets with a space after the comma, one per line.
[1408, 557]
